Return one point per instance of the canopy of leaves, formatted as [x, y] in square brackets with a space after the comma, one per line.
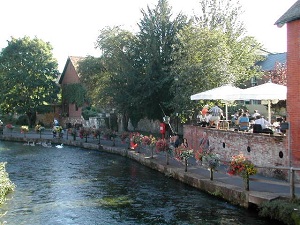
[94, 76]
[208, 57]
[75, 94]
[28, 73]
[136, 73]
[156, 38]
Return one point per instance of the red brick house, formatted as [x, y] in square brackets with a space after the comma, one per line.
[292, 20]
[71, 113]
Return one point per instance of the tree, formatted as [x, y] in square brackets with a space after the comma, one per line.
[94, 76]
[157, 36]
[278, 74]
[121, 82]
[212, 52]
[28, 73]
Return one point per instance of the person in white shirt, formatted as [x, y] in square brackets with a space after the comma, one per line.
[264, 123]
[255, 114]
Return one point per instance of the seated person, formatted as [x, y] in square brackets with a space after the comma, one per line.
[244, 122]
[264, 124]
[206, 119]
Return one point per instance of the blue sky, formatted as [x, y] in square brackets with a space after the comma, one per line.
[72, 26]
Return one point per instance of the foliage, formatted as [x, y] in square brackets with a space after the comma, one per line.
[149, 140]
[23, 119]
[84, 132]
[285, 211]
[201, 153]
[72, 132]
[210, 61]
[278, 75]
[157, 34]
[211, 160]
[182, 153]
[88, 112]
[74, 94]
[5, 183]
[24, 129]
[118, 82]
[109, 134]
[96, 132]
[9, 126]
[240, 165]
[39, 128]
[162, 145]
[28, 73]
[57, 129]
[136, 138]
[94, 76]
[136, 72]
[221, 15]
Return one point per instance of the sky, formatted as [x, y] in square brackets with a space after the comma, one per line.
[72, 26]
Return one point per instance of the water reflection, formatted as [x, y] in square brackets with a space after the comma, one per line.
[79, 186]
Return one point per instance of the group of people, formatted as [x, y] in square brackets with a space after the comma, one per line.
[246, 121]
[210, 117]
[242, 120]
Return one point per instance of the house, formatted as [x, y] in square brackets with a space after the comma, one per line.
[292, 20]
[271, 63]
[71, 113]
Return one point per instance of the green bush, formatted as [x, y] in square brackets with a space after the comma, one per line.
[285, 211]
[89, 112]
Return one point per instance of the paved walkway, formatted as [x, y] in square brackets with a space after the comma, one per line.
[261, 187]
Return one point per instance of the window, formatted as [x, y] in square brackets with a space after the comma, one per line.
[253, 81]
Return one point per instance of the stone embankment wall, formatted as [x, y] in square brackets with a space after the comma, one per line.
[262, 149]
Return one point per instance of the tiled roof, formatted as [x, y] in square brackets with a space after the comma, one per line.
[292, 14]
[270, 61]
[75, 61]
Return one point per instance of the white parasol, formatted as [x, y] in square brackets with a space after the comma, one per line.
[268, 92]
[226, 93]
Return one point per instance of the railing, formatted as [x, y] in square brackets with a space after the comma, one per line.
[291, 183]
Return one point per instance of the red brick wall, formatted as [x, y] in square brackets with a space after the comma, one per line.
[71, 77]
[293, 88]
[264, 149]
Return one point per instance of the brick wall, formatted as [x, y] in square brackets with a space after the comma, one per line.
[262, 150]
[293, 88]
[72, 77]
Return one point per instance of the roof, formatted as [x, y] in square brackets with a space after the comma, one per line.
[292, 14]
[270, 61]
[75, 62]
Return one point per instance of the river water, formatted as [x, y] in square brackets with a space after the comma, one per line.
[78, 186]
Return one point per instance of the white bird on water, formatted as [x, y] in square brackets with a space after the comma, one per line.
[59, 146]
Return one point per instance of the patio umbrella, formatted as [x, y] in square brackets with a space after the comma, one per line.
[225, 93]
[269, 92]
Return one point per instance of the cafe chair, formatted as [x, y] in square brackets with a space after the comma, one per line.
[244, 126]
[257, 128]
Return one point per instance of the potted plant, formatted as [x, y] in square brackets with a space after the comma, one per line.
[212, 161]
[24, 130]
[183, 154]
[240, 165]
[150, 142]
[162, 145]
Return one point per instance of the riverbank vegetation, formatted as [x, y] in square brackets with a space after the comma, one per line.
[286, 211]
[5, 183]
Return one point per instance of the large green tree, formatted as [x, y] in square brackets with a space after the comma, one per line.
[28, 73]
[213, 51]
[157, 37]
[120, 83]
